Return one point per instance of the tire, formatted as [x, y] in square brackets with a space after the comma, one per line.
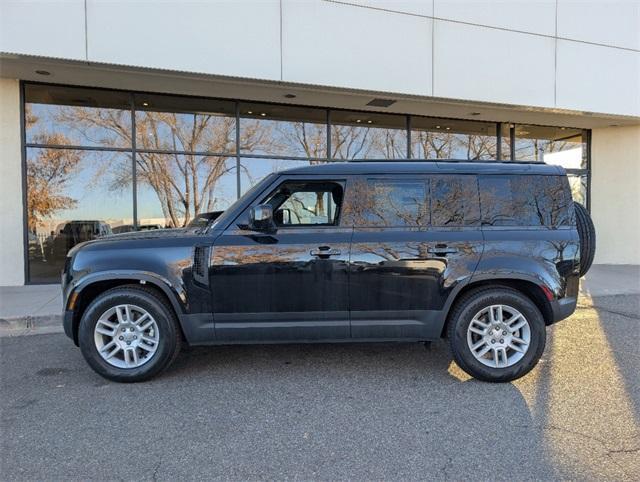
[587, 234]
[142, 359]
[471, 305]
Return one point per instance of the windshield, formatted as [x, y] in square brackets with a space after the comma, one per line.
[230, 211]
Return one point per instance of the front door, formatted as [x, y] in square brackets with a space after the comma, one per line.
[415, 238]
[291, 284]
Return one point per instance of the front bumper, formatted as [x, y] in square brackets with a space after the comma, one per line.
[563, 308]
[67, 324]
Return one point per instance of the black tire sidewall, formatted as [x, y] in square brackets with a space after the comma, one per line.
[469, 308]
[166, 328]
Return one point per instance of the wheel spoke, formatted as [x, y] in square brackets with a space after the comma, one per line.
[151, 341]
[478, 345]
[131, 357]
[142, 318]
[499, 316]
[492, 317]
[505, 357]
[476, 321]
[477, 331]
[105, 327]
[513, 326]
[104, 331]
[106, 322]
[147, 325]
[108, 346]
[517, 348]
[483, 352]
[109, 350]
[146, 348]
[121, 314]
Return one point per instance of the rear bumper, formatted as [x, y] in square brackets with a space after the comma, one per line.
[563, 308]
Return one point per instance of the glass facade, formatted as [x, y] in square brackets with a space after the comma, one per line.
[99, 161]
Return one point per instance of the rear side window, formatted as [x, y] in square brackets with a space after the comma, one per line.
[389, 203]
[524, 201]
[454, 201]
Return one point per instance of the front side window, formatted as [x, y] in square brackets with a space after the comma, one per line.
[306, 204]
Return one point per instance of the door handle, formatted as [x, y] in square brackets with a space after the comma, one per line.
[324, 252]
[441, 250]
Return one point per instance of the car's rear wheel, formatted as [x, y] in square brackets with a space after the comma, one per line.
[129, 334]
[496, 334]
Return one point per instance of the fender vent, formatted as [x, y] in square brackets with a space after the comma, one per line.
[200, 267]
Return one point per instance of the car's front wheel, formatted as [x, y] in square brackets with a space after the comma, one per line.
[129, 334]
[496, 334]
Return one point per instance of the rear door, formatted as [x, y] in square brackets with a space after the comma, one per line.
[415, 238]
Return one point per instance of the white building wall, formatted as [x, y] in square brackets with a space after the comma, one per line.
[11, 202]
[615, 194]
[360, 48]
[569, 54]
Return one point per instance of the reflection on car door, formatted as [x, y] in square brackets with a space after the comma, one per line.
[291, 284]
[406, 250]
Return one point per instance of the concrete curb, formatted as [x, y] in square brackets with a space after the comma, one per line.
[30, 325]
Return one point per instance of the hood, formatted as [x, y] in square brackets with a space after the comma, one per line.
[151, 234]
[136, 236]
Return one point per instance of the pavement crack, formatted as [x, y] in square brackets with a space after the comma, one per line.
[444, 469]
[154, 477]
[607, 310]
[623, 451]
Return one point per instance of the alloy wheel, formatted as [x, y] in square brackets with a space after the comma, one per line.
[126, 336]
[499, 336]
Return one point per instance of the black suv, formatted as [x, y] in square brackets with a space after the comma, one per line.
[486, 254]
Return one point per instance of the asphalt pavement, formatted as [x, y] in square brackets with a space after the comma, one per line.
[379, 411]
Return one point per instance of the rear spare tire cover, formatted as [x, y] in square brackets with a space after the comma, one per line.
[587, 234]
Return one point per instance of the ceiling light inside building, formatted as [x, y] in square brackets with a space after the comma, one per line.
[437, 127]
[249, 112]
[263, 114]
[146, 104]
[369, 122]
[358, 121]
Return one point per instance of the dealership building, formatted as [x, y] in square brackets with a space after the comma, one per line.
[120, 116]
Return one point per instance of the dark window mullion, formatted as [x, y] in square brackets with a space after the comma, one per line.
[134, 172]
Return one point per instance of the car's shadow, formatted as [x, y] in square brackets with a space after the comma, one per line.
[409, 402]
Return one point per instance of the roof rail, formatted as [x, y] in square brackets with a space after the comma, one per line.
[492, 161]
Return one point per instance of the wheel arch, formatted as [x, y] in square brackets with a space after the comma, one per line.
[88, 289]
[528, 287]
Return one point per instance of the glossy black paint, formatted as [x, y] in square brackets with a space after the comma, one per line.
[328, 283]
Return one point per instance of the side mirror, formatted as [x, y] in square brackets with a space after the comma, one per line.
[261, 218]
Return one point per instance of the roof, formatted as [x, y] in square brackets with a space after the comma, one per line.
[427, 167]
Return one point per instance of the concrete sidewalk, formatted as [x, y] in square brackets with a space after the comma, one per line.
[25, 308]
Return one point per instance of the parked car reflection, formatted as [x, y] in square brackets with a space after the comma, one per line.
[127, 228]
